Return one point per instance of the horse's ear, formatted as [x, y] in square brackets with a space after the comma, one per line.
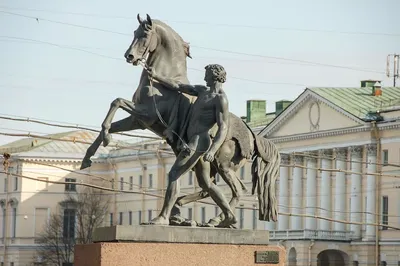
[149, 20]
[139, 19]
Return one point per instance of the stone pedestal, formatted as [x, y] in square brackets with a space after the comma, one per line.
[167, 245]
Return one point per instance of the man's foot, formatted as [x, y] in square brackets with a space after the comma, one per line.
[229, 221]
[159, 220]
[176, 220]
[214, 222]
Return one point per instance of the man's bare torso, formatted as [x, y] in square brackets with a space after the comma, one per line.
[203, 115]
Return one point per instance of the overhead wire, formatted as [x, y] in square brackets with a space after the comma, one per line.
[77, 126]
[120, 59]
[77, 140]
[204, 202]
[207, 23]
[200, 47]
[336, 158]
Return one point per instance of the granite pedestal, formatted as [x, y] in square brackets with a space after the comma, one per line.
[168, 245]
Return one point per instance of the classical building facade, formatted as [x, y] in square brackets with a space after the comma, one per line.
[340, 171]
[339, 175]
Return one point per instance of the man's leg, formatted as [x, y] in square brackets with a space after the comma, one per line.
[203, 170]
[183, 164]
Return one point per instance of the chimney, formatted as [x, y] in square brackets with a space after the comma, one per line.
[256, 110]
[377, 89]
[281, 105]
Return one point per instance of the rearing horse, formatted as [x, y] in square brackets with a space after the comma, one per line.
[165, 51]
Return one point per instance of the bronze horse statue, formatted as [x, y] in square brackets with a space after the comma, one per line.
[152, 104]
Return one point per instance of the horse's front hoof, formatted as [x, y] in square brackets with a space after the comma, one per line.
[86, 163]
[106, 140]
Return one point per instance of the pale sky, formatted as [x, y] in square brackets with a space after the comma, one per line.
[45, 75]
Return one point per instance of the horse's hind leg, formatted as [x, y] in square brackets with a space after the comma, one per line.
[126, 124]
[230, 160]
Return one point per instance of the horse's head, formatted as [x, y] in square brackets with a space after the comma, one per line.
[144, 41]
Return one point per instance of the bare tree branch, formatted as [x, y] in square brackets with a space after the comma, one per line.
[78, 216]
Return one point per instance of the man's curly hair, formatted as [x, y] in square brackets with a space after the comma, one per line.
[217, 71]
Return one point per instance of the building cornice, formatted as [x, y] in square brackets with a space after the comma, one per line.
[334, 132]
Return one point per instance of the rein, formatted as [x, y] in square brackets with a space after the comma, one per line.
[143, 64]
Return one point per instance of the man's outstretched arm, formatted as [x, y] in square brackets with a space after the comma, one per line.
[173, 85]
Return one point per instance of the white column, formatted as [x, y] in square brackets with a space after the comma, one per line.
[325, 194]
[356, 207]
[297, 188]
[371, 186]
[340, 189]
[311, 200]
[283, 220]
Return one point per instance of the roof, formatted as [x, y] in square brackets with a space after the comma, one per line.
[48, 144]
[360, 101]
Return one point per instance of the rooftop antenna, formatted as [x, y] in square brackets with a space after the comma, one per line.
[396, 60]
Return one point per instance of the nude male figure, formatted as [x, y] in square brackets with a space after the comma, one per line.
[209, 116]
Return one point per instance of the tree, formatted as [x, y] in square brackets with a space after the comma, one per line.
[74, 223]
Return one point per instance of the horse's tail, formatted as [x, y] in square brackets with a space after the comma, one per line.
[265, 171]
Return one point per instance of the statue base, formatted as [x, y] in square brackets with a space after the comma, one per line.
[147, 245]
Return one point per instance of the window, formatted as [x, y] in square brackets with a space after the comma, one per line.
[365, 213]
[190, 178]
[3, 223]
[69, 223]
[217, 178]
[121, 217]
[111, 219]
[241, 217]
[254, 217]
[121, 183]
[5, 184]
[216, 211]
[385, 211]
[385, 157]
[131, 183]
[242, 173]
[190, 214]
[203, 214]
[70, 187]
[14, 221]
[140, 217]
[130, 217]
[140, 181]
[150, 180]
[15, 183]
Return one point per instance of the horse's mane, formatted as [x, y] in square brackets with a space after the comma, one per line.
[186, 46]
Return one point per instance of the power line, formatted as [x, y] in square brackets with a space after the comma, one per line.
[210, 24]
[208, 203]
[200, 47]
[120, 59]
[37, 121]
[335, 158]
[152, 189]
[338, 170]
[75, 140]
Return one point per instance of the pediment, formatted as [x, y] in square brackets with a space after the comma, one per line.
[310, 113]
